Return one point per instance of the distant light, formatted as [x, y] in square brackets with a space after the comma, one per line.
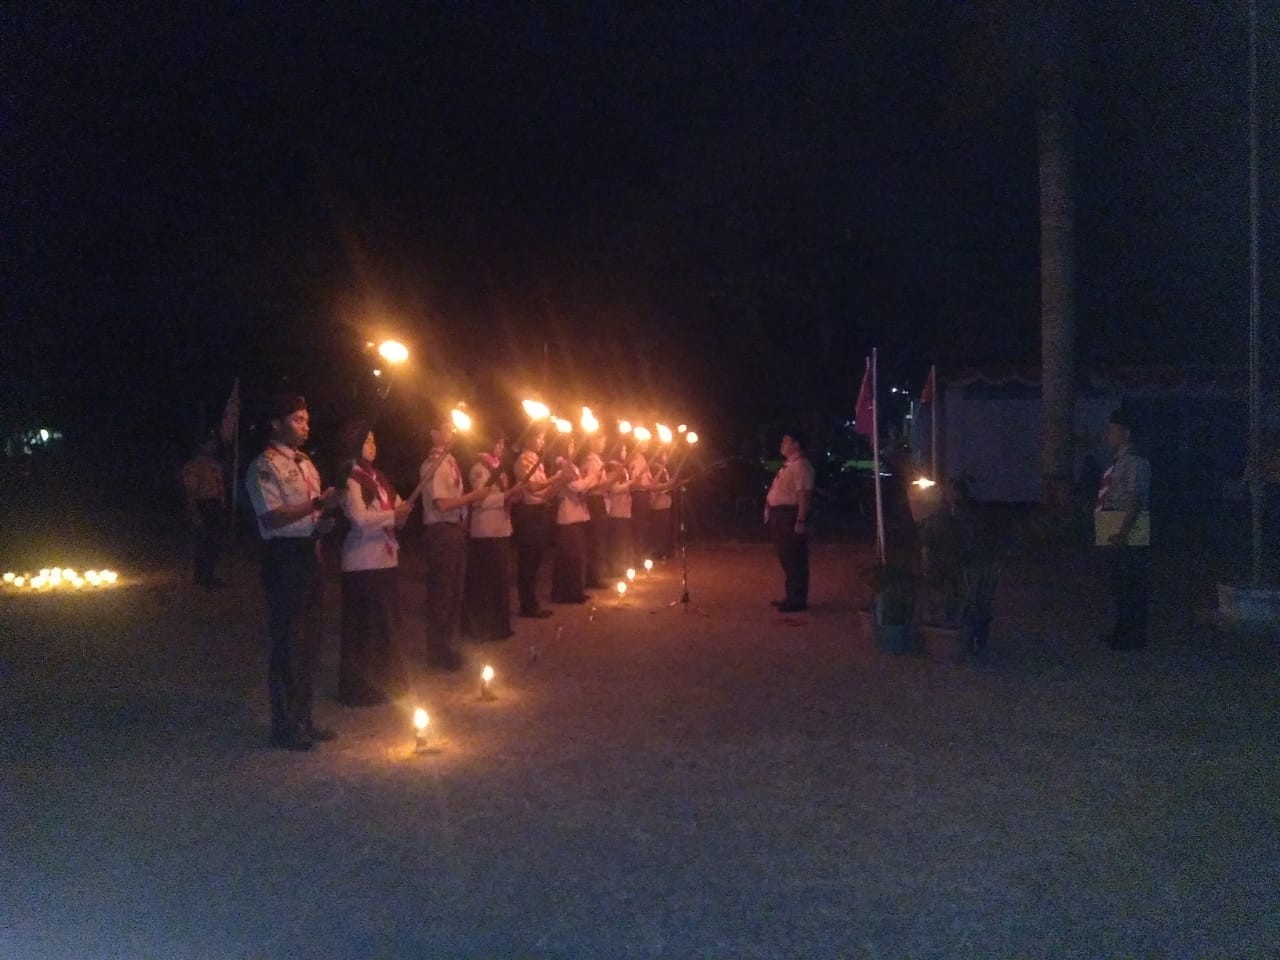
[393, 351]
[377, 372]
[924, 483]
[44, 435]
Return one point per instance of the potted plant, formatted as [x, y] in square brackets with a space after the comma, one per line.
[893, 602]
[962, 570]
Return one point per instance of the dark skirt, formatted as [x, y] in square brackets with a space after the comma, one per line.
[597, 542]
[486, 601]
[639, 528]
[371, 667]
[619, 546]
[568, 571]
[661, 532]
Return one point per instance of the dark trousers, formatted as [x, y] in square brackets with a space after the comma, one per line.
[210, 536]
[597, 542]
[620, 545]
[793, 552]
[370, 665]
[445, 549]
[531, 524]
[661, 530]
[568, 569]
[1128, 571]
[486, 598]
[639, 528]
[295, 598]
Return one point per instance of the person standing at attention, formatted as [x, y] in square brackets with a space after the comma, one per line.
[444, 514]
[787, 513]
[206, 490]
[531, 522]
[284, 487]
[370, 664]
[1123, 531]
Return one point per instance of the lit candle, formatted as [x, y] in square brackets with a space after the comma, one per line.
[648, 565]
[682, 428]
[420, 723]
[486, 683]
[10, 577]
[631, 574]
[19, 581]
[622, 590]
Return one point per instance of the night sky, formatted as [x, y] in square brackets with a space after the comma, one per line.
[717, 208]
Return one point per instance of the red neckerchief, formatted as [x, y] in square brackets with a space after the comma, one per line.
[375, 488]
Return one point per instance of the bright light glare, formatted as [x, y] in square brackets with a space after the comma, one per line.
[691, 437]
[624, 426]
[487, 674]
[642, 433]
[631, 573]
[622, 587]
[420, 719]
[682, 428]
[536, 409]
[924, 483]
[589, 422]
[460, 419]
[648, 564]
[664, 433]
[393, 351]
[564, 426]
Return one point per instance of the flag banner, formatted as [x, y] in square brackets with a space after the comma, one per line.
[864, 415]
[926, 395]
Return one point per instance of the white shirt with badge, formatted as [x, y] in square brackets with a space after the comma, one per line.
[446, 484]
[278, 477]
[529, 467]
[795, 476]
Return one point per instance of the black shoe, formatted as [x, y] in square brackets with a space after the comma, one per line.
[538, 614]
[792, 607]
[292, 738]
[449, 660]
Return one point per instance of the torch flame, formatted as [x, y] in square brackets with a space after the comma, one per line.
[624, 426]
[682, 428]
[461, 420]
[536, 409]
[589, 422]
[393, 351]
[642, 433]
[664, 433]
[487, 674]
[562, 425]
[622, 587]
[420, 719]
[691, 437]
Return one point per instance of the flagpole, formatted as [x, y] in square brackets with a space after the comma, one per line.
[875, 460]
[933, 423]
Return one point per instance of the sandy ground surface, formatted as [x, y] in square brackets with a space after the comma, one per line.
[649, 782]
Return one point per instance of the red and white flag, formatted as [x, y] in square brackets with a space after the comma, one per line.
[926, 395]
[864, 416]
[230, 425]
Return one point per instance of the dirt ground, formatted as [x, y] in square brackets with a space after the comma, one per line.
[649, 782]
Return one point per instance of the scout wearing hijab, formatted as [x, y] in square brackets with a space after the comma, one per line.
[568, 570]
[531, 520]
[661, 531]
[787, 512]
[641, 481]
[592, 467]
[371, 668]
[444, 515]
[486, 596]
[284, 487]
[618, 502]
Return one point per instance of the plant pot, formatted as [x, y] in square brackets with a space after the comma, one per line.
[894, 638]
[945, 643]
[1248, 604]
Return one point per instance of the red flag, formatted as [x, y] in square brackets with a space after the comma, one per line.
[230, 425]
[926, 395]
[864, 416]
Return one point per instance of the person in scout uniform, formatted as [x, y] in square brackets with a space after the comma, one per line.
[1123, 531]
[787, 513]
[284, 488]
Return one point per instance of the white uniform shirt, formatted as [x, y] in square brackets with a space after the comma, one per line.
[446, 484]
[281, 476]
[1127, 482]
[370, 543]
[617, 498]
[529, 467]
[573, 498]
[593, 467]
[490, 517]
[638, 470]
[796, 475]
[661, 501]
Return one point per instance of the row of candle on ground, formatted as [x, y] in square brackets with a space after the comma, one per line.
[53, 577]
